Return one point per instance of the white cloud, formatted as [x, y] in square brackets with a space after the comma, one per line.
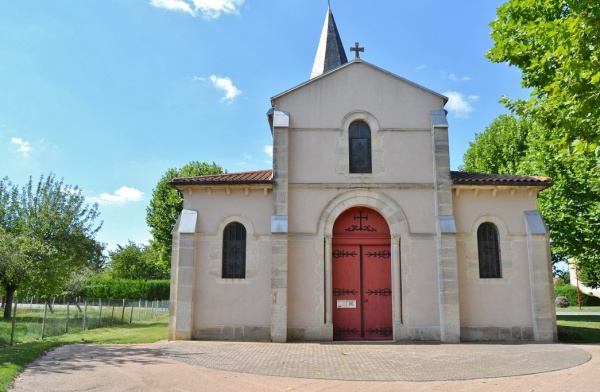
[420, 67]
[459, 105]
[268, 150]
[455, 78]
[121, 196]
[209, 9]
[22, 145]
[225, 84]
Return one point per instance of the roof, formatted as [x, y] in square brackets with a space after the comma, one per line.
[330, 53]
[466, 178]
[243, 178]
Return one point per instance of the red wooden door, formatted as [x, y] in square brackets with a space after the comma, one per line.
[361, 269]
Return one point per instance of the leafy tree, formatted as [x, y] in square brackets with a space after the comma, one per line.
[556, 45]
[167, 204]
[134, 261]
[500, 148]
[49, 229]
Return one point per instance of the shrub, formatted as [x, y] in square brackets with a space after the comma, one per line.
[570, 292]
[103, 287]
[561, 302]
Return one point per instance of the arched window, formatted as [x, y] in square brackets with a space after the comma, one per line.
[488, 245]
[359, 135]
[234, 251]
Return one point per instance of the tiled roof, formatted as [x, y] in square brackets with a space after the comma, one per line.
[244, 178]
[466, 178]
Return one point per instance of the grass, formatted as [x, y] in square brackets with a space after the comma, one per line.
[14, 359]
[576, 309]
[579, 328]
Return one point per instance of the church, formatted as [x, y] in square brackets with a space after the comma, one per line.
[360, 231]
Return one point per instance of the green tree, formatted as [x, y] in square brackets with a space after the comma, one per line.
[556, 45]
[52, 229]
[134, 261]
[167, 204]
[500, 148]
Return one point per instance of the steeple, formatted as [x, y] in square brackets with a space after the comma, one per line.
[330, 53]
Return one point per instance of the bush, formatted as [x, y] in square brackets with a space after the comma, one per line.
[570, 292]
[103, 287]
[562, 302]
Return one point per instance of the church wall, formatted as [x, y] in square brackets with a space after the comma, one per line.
[396, 103]
[236, 309]
[494, 309]
[405, 156]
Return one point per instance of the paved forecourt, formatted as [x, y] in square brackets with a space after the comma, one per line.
[378, 361]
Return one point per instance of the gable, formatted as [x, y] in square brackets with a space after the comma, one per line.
[324, 101]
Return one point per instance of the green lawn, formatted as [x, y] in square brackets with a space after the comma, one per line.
[13, 359]
[578, 328]
[576, 309]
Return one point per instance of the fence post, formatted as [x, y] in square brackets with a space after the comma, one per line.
[112, 316]
[139, 308]
[100, 303]
[85, 316]
[131, 314]
[67, 323]
[14, 319]
[44, 319]
[123, 312]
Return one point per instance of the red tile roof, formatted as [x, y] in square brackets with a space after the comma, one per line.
[244, 178]
[466, 178]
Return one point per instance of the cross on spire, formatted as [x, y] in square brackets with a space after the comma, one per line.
[357, 49]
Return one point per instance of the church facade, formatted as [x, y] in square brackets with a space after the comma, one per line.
[360, 231]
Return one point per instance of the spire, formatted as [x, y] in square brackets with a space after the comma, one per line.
[330, 53]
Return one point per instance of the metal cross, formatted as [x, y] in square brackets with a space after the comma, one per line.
[357, 49]
[361, 217]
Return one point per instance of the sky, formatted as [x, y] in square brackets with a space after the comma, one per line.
[110, 94]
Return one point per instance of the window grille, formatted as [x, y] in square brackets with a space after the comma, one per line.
[488, 245]
[234, 251]
[359, 135]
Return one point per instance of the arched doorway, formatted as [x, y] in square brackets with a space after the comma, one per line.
[361, 276]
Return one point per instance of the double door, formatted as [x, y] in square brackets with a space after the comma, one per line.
[362, 292]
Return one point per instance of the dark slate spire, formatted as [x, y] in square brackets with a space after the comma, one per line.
[330, 53]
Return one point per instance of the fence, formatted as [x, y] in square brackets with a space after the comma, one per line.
[33, 318]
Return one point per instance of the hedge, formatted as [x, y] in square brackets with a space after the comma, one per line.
[566, 290]
[151, 290]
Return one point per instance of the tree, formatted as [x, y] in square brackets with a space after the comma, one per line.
[167, 204]
[50, 229]
[134, 261]
[556, 45]
[571, 207]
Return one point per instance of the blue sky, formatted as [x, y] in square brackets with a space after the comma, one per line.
[110, 94]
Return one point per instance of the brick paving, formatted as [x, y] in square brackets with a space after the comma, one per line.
[378, 361]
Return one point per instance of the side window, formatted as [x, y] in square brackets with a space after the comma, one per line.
[359, 144]
[234, 251]
[488, 245]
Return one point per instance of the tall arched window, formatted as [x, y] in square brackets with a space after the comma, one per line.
[359, 135]
[234, 251]
[488, 245]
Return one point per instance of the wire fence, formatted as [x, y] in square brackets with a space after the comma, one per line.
[34, 318]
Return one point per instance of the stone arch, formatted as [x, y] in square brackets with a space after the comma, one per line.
[343, 152]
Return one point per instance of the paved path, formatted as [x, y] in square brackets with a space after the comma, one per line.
[223, 366]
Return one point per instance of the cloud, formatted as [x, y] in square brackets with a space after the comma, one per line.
[209, 9]
[121, 196]
[225, 84]
[268, 150]
[455, 78]
[459, 105]
[22, 146]
[420, 67]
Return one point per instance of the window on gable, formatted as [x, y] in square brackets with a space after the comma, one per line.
[359, 135]
[488, 245]
[234, 251]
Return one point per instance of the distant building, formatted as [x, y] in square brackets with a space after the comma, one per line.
[360, 231]
[573, 279]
